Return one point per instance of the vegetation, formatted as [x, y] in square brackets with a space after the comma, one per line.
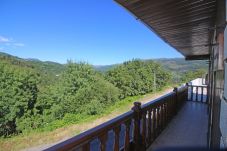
[138, 77]
[18, 96]
[180, 68]
[191, 75]
[37, 95]
[71, 127]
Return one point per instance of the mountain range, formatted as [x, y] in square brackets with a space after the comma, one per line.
[175, 65]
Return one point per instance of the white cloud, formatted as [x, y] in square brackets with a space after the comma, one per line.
[19, 44]
[10, 42]
[4, 39]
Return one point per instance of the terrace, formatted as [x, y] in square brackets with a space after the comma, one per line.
[176, 119]
[190, 115]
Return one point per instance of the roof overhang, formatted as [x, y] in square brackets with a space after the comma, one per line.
[186, 25]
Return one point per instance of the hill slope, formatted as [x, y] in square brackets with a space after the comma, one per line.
[42, 66]
[181, 65]
[175, 65]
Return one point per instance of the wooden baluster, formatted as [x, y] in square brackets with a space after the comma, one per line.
[177, 104]
[172, 107]
[167, 111]
[165, 118]
[207, 97]
[127, 135]
[116, 137]
[137, 118]
[103, 139]
[182, 97]
[153, 124]
[191, 93]
[144, 128]
[202, 94]
[164, 114]
[186, 96]
[149, 127]
[196, 93]
[158, 120]
[161, 117]
[186, 93]
[86, 147]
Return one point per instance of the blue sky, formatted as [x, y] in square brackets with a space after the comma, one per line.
[97, 31]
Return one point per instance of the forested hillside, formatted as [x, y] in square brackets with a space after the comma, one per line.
[181, 65]
[42, 95]
[33, 96]
[182, 70]
[47, 66]
[174, 65]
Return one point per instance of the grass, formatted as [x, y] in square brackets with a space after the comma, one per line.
[66, 128]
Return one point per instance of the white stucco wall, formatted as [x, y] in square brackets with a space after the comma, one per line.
[198, 81]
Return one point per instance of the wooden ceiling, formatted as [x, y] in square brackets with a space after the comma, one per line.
[186, 25]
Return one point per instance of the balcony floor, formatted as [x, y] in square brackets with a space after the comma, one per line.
[188, 129]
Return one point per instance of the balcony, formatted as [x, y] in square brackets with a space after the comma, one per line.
[187, 129]
[180, 118]
[177, 119]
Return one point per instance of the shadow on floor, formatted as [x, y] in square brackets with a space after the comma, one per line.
[188, 128]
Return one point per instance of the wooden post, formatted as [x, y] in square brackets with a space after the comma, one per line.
[86, 147]
[127, 135]
[144, 128]
[191, 93]
[158, 121]
[154, 124]
[176, 100]
[196, 95]
[207, 97]
[149, 127]
[137, 120]
[187, 92]
[202, 94]
[116, 137]
[103, 139]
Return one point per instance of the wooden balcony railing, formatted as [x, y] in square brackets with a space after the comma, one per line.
[133, 130]
[198, 93]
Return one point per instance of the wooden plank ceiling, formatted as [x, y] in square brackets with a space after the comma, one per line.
[186, 25]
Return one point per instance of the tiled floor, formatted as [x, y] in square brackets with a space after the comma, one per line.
[187, 129]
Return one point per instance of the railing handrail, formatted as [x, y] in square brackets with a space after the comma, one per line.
[197, 93]
[157, 101]
[93, 132]
[134, 114]
[182, 88]
[197, 85]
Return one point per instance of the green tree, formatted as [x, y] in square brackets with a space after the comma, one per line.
[137, 77]
[81, 86]
[18, 94]
[191, 75]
